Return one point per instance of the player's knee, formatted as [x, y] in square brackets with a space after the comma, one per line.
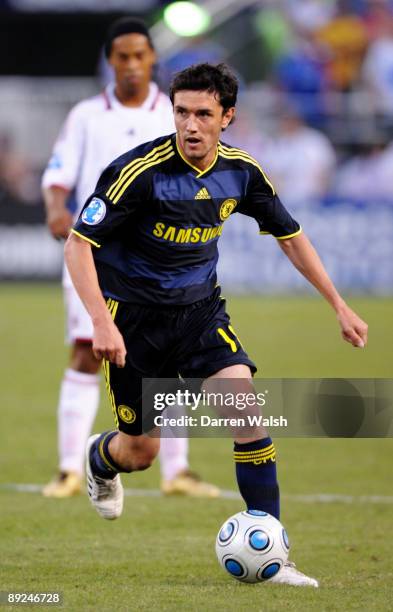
[142, 458]
[143, 462]
[141, 452]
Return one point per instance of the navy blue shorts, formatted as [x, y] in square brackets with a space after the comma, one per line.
[193, 341]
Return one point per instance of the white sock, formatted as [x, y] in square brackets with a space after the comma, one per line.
[78, 404]
[173, 456]
[173, 451]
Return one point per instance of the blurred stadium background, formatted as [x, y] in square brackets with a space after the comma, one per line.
[316, 109]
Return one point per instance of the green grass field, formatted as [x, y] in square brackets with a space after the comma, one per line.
[160, 554]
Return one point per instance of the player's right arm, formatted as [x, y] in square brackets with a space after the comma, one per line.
[58, 217]
[118, 195]
[108, 343]
[61, 174]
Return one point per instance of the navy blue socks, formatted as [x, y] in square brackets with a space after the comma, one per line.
[101, 461]
[257, 475]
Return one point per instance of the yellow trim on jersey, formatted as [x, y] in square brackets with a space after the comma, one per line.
[200, 172]
[114, 311]
[132, 165]
[112, 307]
[136, 173]
[227, 339]
[233, 153]
[140, 162]
[85, 238]
[235, 334]
[250, 161]
[299, 231]
[106, 365]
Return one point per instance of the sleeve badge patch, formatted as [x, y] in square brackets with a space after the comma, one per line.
[94, 212]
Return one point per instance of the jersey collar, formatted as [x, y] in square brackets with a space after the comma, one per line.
[197, 170]
[148, 104]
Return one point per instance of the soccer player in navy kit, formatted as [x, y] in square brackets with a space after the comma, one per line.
[143, 258]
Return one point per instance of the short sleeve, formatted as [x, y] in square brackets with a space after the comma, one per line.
[64, 165]
[263, 204]
[104, 213]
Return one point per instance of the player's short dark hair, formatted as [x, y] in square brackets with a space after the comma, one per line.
[126, 25]
[206, 77]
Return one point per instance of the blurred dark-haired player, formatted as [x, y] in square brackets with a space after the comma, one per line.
[131, 110]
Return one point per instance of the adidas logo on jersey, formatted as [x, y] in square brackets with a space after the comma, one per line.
[203, 194]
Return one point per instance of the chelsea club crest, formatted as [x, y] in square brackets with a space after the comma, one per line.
[226, 208]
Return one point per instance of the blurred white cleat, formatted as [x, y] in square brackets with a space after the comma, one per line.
[106, 494]
[288, 574]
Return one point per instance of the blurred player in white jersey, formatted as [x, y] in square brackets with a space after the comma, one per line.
[130, 111]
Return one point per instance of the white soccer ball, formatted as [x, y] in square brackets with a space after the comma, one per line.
[252, 546]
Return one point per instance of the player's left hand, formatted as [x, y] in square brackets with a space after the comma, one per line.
[353, 328]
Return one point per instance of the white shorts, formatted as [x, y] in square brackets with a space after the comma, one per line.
[78, 321]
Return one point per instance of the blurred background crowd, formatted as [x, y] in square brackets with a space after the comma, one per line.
[316, 102]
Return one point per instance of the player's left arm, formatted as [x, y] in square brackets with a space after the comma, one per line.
[305, 258]
[263, 203]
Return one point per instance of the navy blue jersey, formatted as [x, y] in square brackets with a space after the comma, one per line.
[155, 220]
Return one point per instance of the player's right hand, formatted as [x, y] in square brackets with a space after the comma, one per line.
[59, 222]
[108, 343]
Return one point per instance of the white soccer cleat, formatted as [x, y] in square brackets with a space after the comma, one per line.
[288, 574]
[105, 494]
